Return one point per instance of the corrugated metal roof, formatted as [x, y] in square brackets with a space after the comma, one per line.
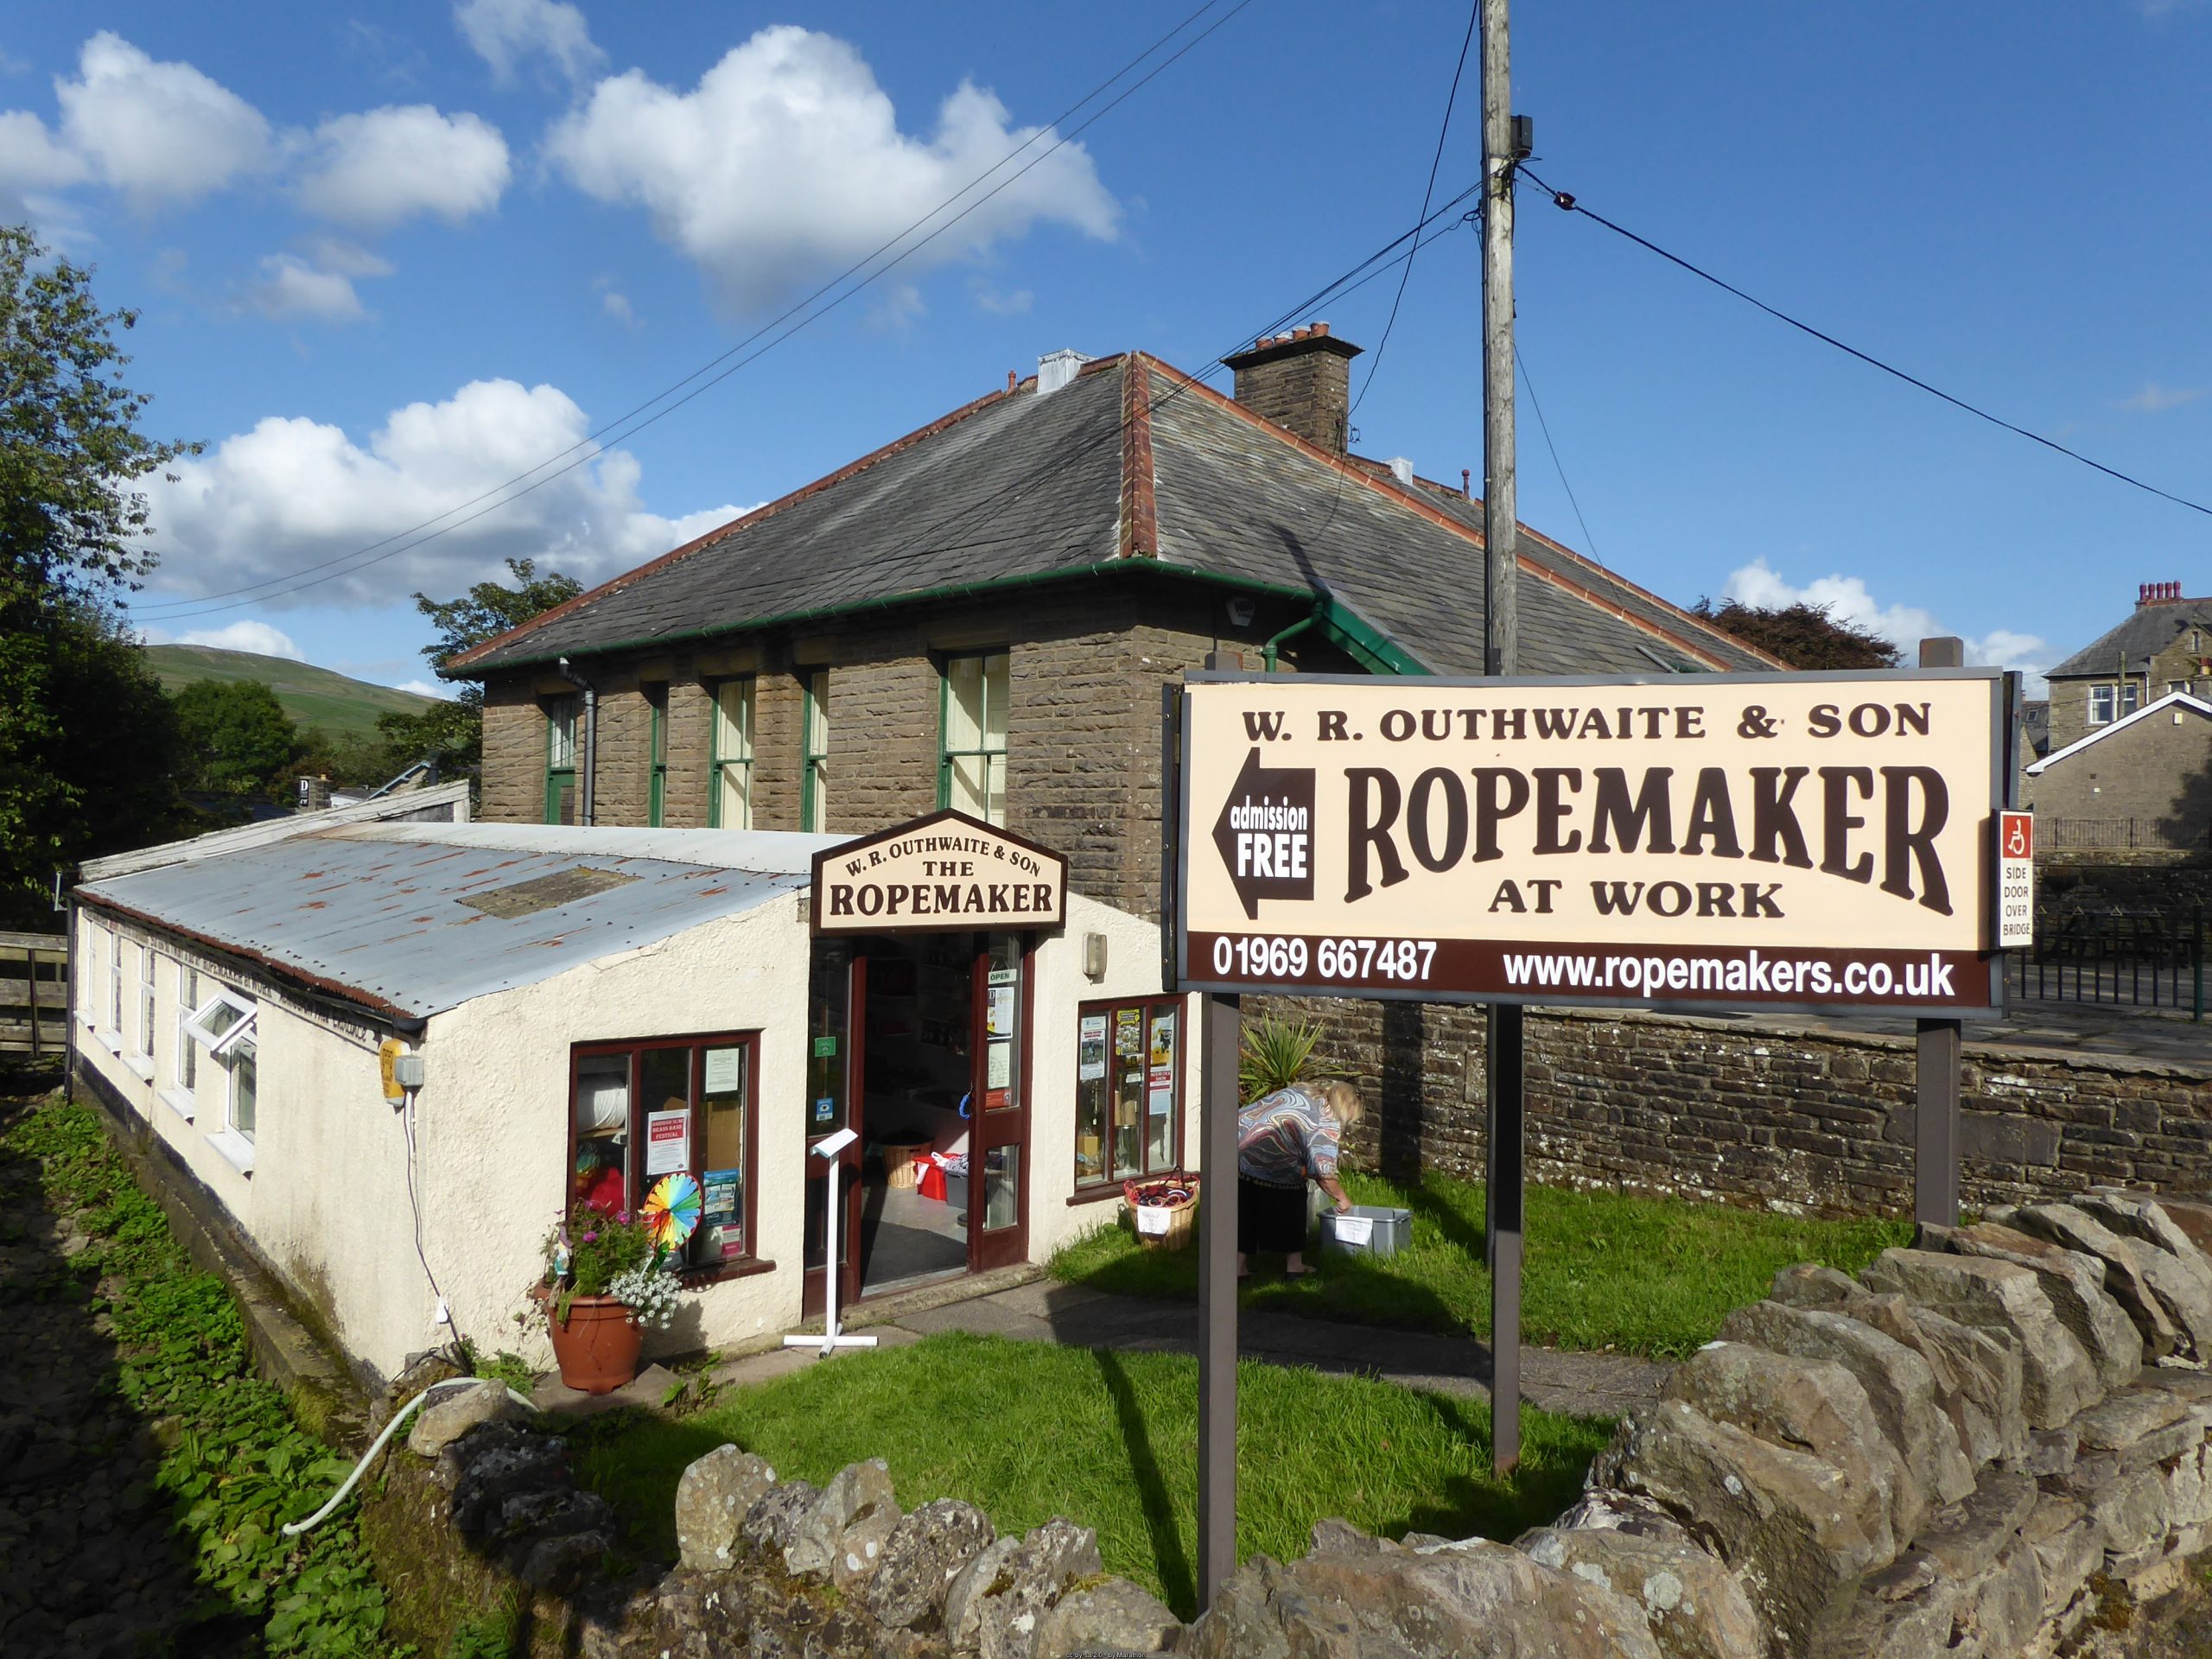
[372, 913]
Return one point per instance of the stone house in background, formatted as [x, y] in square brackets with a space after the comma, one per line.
[2150, 771]
[2163, 646]
[982, 614]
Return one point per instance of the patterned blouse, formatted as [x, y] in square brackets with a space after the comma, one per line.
[1284, 1138]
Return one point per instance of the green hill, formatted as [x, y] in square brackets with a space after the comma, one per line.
[312, 697]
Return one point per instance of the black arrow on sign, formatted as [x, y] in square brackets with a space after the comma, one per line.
[1265, 859]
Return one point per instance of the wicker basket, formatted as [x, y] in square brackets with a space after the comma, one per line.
[902, 1163]
[1163, 1226]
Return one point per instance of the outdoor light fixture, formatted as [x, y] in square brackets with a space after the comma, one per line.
[1240, 613]
[1094, 957]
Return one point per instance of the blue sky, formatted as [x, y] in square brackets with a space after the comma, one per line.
[387, 259]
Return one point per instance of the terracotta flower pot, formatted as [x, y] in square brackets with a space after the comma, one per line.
[597, 1349]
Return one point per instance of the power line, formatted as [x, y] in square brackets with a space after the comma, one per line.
[1374, 363]
[1567, 203]
[199, 605]
[1544, 426]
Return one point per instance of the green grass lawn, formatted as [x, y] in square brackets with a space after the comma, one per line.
[1026, 1431]
[1602, 1270]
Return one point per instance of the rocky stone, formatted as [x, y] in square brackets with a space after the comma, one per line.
[2192, 1218]
[768, 1525]
[1785, 1521]
[454, 1409]
[1914, 1626]
[1050, 1560]
[1693, 1605]
[1336, 1536]
[1966, 1539]
[922, 1556]
[2167, 1258]
[856, 1490]
[2000, 1607]
[1808, 1285]
[1476, 1600]
[712, 1500]
[2143, 1426]
[2187, 1383]
[2077, 1229]
[1814, 1406]
[2133, 1512]
[2051, 1452]
[1115, 1617]
[985, 1575]
[2188, 1502]
[1899, 1385]
[2069, 1545]
[2057, 1377]
[2136, 1215]
[2074, 1282]
[859, 1547]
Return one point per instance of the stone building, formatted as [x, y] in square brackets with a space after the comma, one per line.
[2162, 646]
[2143, 781]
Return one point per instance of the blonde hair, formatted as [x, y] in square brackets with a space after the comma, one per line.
[1341, 1101]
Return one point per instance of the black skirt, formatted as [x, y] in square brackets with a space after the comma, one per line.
[1271, 1218]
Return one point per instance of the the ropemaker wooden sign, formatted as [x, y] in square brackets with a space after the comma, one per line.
[939, 873]
[1713, 841]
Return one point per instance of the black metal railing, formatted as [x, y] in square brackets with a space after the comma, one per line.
[2129, 958]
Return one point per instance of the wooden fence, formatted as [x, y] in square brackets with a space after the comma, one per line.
[33, 995]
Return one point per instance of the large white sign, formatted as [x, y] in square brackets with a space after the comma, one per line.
[944, 872]
[1822, 841]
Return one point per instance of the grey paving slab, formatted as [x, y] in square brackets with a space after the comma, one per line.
[1588, 1385]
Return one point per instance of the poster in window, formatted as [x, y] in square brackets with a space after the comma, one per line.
[721, 1189]
[725, 1071]
[1091, 1054]
[1163, 1038]
[998, 1071]
[1129, 1033]
[999, 1021]
[668, 1142]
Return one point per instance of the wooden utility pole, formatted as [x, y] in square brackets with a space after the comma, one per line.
[1504, 1057]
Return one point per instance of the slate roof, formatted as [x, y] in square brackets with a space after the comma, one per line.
[1133, 465]
[2148, 630]
[376, 914]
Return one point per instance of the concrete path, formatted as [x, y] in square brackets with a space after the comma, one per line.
[1586, 1385]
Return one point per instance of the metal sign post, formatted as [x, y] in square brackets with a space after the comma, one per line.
[1936, 1055]
[1217, 1298]
[832, 1337]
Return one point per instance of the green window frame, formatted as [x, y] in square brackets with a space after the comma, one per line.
[814, 757]
[972, 700]
[561, 716]
[656, 753]
[730, 767]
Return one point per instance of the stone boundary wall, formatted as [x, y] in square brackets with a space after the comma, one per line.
[1996, 1445]
[1758, 1115]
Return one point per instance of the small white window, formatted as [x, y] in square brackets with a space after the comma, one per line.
[2131, 697]
[221, 1022]
[181, 1094]
[245, 1089]
[2102, 701]
[2173, 686]
[110, 1015]
[146, 1001]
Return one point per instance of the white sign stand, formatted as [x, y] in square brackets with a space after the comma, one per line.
[831, 1339]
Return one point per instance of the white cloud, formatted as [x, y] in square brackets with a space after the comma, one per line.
[379, 167]
[787, 163]
[441, 690]
[290, 493]
[160, 132]
[989, 300]
[29, 157]
[290, 287]
[505, 32]
[256, 637]
[2155, 399]
[1846, 598]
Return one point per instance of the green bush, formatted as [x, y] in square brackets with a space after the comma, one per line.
[1273, 1054]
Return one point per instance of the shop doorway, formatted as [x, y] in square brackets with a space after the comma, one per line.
[919, 1042]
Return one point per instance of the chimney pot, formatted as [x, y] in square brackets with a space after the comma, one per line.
[1012, 379]
[1057, 369]
[1300, 380]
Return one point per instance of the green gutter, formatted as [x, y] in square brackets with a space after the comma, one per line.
[1359, 640]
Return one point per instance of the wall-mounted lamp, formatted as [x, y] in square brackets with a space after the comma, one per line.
[1240, 613]
[1094, 957]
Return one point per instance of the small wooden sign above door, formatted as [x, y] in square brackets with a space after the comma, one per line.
[940, 874]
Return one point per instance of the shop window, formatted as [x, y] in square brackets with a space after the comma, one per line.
[814, 774]
[971, 763]
[184, 1078]
[561, 760]
[2102, 699]
[657, 754]
[669, 1106]
[1129, 1101]
[729, 785]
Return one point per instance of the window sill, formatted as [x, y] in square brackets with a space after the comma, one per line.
[111, 1040]
[141, 1066]
[1095, 1195]
[237, 1150]
[700, 1278]
[180, 1102]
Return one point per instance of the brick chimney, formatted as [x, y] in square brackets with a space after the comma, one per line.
[2152, 592]
[1301, 380]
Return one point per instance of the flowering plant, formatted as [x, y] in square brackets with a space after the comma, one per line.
[590, 1253]
[650, 1293]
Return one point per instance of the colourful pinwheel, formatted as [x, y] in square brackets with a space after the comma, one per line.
[672, 1210]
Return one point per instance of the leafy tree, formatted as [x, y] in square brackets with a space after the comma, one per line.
[1804, 636]
[452, 732]
[86, 745]
[242, 740]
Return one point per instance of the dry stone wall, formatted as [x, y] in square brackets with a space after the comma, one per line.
[1982, 1447]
